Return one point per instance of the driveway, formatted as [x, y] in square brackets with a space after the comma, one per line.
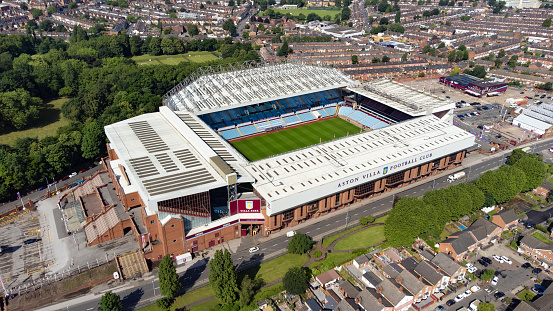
[501, 250]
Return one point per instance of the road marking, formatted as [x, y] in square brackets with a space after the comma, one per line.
[263, 249]
[327, 225]
[355, 214]
[308, 231]
[275, 244]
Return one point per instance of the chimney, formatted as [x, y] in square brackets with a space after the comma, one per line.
[380, 300]
[399, 279]
[379, 289]
[401, 289]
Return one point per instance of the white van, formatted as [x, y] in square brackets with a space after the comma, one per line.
[290, 233]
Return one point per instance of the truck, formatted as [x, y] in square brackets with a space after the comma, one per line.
[456, 176]
[474, 305]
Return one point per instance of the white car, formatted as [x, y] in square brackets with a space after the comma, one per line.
[254, 249]
[73, 174]
[475, 288]
[459, 297]
[498, 259]
[468, 292]
[471, 268]
[507, 260]
[494, 280]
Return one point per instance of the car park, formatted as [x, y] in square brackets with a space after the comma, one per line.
[254, 249]
[494, 280]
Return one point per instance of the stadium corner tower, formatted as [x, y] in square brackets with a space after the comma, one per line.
[256, 148]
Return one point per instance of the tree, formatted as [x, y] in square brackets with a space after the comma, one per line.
[164, 303]
[354, 59]
[300, 244]
[296, 281]
[23, 6]
[441, 45]
[404, 57]
[501, 53]
[376, 60]
[486, 306]
[533, 169]
[246, 35]
[397, 28]
[36, 13]
[346, 13]
[546, 22]
[284, 50]
[202, 6]
[487, 275]
[72, 5]
[93, 140]
[169, 282]
[383, 21]
[18, 109]
[385, 59]
[52, 9]
[110, 302]
[222, 276]
[397, 19]
[231, 3]
[247, 290]
[229, 26]
[422, 74]
[193, 30]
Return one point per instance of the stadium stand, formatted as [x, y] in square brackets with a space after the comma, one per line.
[293, 119]
[306, 116]
[277, 122]
[230, 134]
[262, 125]
[331, 110]
[369, 121]
[310, 100]
[358, 115]
[384, 111]
[248, 130]
[321, 111]
[345, 111]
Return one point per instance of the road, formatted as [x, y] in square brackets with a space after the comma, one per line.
[198, 273]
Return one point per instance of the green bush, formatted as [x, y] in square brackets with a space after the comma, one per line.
[164, 303]
[317, 254]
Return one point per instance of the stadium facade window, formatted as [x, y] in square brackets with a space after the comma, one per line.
[192, 205]
[288, 215]
[365, 188]
[301, 212]
[395, 178]
[313, 206]
[337, 199]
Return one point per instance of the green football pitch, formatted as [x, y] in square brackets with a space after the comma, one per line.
[260, 147]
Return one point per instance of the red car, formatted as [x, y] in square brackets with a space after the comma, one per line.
[521, 92]
[83, 170]
[64, 178]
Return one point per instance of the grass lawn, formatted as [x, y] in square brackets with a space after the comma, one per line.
[526, 295]
[540, 237]
[362, 239]
[507, 234]
[330, 239]
[274, 269]
[306, 12]
[332, 260]
[50, 119]
[193, 57]
[260, 147]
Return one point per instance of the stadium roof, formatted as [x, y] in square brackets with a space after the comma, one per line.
[403, 98]
[308, 174]
[212, 89]
[463, 79]
[164, 158]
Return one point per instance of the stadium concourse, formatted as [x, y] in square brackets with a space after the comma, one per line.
[333, 141]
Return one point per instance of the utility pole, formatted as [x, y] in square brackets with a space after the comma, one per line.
[347, 216]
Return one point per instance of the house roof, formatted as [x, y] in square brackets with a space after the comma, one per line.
[347, 304]
[392, 270]
[526, 306]
[545, 302]
[460, 241]
[426, 271]
[426, 254]
[368, 302]
[391, 292]
[372, 278]
[446, 263]
[409, 264]
[313, 305]
[534, 243]
[482, 228]
[328, 276]
[410, 282]
[361, 259]
[508, 215]
[348, 288]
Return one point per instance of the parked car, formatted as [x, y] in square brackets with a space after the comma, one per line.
[536, 271]
[440, 308]
[526, 265]
[530, 225]
[536, 291]
[497, 258]
[538, 286]
[486, 259]
[72, 174]
[254, 249]
[485, 107]
[64, 178]
[471, 268]
[507, 260]
[83, 170]
[499, 295]
[494, 280]
[459, 297]
[474, 288]
[482, 262]
[521, 92]
[447, 97]
[31, 241]
[450, 302]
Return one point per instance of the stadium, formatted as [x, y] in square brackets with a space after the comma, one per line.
[475, 86]
[255, 148]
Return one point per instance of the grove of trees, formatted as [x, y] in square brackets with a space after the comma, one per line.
[300, 244]
[104, 86]
[222, 277]
[426, 217]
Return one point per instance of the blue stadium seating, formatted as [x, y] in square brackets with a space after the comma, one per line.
[234, 114]
[295, 102]
[291, 119]
[358, 115]
[309, 99]
[277, 122]
[230, 134]
[306, 116]
[248, 130]
[206, 119]
[345, 111]
[369, 121]
[323, 96]
[330, 110]
[322, 112]
[380, 125]
[262, 125]
[334, 93]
